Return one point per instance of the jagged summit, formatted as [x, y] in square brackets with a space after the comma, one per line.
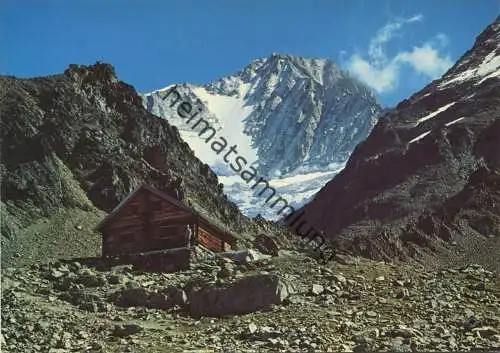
[322, 71]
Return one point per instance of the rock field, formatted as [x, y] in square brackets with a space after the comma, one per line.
[284, 303]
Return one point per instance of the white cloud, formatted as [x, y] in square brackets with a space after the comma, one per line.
[382, 73]
[425, 60]
[381, 79]
[384, 35]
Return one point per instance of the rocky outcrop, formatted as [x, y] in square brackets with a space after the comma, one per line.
[427, 176]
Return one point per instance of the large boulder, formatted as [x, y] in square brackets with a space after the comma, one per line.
[141, 297]
[246, 295]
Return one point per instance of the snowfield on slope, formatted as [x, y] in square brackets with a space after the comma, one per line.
[296, 190]
[231, 112]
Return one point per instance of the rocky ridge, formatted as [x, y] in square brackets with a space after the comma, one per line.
[425, 183]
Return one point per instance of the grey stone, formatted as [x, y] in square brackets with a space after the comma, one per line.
[402, 293]
[403, 332]
[252, 328]
[480, 286]
[471, 323]
[177, 295]
[89, 279]
[128, 297]
[317, 289]
[63, 283]
[114, 279]
[55, 273]
[158, 301]
[126, 330]
[246, 295]
[266, 245]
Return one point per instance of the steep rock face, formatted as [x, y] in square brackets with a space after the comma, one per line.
[83, 140]
[427, 176]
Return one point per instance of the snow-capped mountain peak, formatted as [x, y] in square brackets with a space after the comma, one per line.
[288, 115]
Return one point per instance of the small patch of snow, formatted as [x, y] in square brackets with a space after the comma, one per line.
[420, 137]
[491, 63]
[454, 121]
[433, 114]
[373, 158]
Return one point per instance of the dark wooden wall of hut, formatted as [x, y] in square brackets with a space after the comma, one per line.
[146, 223]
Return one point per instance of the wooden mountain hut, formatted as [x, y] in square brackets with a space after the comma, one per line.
[149, 221]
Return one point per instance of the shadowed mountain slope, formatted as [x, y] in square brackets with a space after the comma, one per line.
[426, 182]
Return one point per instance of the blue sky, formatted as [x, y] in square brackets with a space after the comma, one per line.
[395, 46]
